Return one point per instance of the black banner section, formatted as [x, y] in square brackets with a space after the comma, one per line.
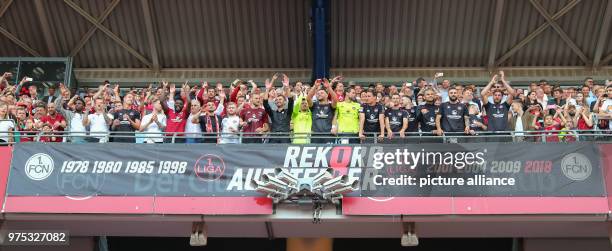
[435, 170]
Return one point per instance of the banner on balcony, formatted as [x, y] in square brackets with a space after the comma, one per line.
[198, 170]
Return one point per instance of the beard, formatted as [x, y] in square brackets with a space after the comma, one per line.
[453, 99]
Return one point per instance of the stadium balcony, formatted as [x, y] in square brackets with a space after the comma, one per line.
[470, 175]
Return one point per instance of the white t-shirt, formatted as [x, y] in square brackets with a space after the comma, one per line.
[153, 130]
[518, 126]
[76, 125]
[606, 108]
[190, 127]
[5, 126]
[227, 136]
[97, 125]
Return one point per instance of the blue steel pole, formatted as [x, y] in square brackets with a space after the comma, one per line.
[320, 10]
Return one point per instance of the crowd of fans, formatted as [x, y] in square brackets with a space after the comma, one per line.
[326, 111]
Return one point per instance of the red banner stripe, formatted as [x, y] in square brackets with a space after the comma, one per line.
[139, 205]
[475, 205]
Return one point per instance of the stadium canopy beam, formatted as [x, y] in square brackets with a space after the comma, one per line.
[4, 8]
[109, 33]
[560, 31]
[152, 34]
[536, 32]
[12, 37]
[43, 19]
[603, 35]
[94, 28]
[606, 59]
[567, 76]
[499, 11]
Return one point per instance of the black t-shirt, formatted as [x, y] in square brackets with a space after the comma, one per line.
[426, 116]
[411, 114]
[280, 120]
[396, 118]
[215, 123]
[452, 117]
[322, 117]
[498, 116]
[215, 127]
[372, 123]
[473, 119]
[124, 123]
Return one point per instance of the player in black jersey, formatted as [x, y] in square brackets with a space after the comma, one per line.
[453, 117]
[371, 118]
[411, 112]
[396, 119]
[426, 116]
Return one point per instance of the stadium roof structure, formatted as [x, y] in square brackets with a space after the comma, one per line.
[369, 40]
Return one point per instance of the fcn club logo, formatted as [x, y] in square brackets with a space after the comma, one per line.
[39, 166]
[209, 167]
[576, 166]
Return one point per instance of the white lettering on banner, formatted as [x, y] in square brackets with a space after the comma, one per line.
[75, 166]
[321, 157]
[405, 157]
[293, 152]
[132, 167]
[306, 156]
[252, 174]
[239, 183]
[101, 167]
[476, 180]
[236, 183]
[357, 156]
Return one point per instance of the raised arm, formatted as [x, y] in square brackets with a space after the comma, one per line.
[18, 87]
[234, 92]
[186, 98]
[434, 81]
[332, 93]
[286, 87]
[486, 91]
[313, 91]
[511, 92]
[164, 97]
[221, 106]
[268, 86]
